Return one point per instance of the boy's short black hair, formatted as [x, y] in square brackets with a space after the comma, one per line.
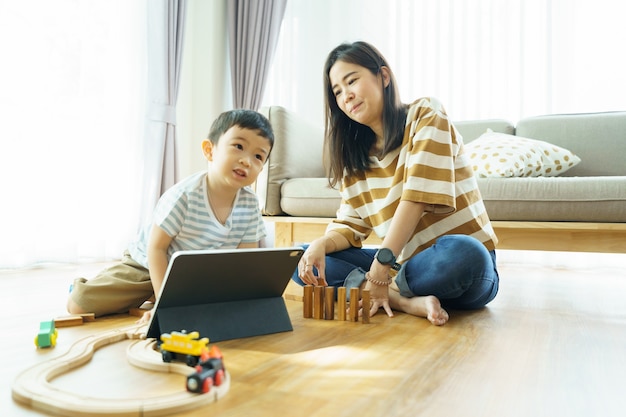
[245, 119]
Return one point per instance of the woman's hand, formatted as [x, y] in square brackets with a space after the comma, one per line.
[314, 256]
[379, 297]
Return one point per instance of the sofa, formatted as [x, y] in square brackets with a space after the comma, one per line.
[577, 203]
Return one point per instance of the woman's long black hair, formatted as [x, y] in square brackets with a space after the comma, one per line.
[348, 143]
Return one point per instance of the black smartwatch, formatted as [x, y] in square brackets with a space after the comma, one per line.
[386, 257]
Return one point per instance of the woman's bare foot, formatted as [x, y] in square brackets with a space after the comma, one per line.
[427, 306]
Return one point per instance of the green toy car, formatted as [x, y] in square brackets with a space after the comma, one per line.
[47, 336]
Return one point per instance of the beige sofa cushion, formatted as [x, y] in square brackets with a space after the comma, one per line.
[309, 197]
[599, 139]
[575, 199]
[589, 199]
[473, 129]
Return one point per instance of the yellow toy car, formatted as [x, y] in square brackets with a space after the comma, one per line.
[177, 345]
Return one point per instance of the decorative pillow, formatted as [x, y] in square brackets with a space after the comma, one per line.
[499, 155]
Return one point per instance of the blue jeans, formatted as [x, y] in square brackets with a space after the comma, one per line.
[457, 269]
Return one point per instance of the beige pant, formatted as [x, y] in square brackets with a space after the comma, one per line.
[115, 290]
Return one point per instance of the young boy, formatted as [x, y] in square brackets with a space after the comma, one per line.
[213, 209]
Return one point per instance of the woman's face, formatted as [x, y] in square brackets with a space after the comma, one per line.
[359, 93]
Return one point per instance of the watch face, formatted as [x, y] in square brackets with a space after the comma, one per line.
[385, 256]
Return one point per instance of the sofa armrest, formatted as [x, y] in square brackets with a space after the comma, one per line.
[297, 153]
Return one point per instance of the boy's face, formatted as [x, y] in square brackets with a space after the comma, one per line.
[238, 157]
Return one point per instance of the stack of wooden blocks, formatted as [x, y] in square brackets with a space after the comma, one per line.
[319, 303]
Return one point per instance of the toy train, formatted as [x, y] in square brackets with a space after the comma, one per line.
[209, 363]
[209, 371]
[178, 345]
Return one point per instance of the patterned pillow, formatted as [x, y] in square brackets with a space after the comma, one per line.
[499, 155]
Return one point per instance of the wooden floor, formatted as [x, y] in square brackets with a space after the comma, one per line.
[551, 344]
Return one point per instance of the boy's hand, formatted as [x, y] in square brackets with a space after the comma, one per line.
[145, 318]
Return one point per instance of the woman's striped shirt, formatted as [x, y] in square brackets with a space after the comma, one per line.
[429, 167]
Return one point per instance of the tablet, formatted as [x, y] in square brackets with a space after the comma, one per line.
[225, 294]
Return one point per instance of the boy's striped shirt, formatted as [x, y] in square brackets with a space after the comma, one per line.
[185, 214]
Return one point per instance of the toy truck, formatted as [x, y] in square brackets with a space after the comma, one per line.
[187, 347]
[47, 336]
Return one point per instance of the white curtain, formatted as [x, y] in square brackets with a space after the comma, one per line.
[166, 24]
[482, 58]
[71, 113]
[253, 29]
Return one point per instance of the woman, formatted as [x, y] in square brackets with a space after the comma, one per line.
[404, 177]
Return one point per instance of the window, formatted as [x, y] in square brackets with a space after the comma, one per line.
[481, 58]
[72, 119]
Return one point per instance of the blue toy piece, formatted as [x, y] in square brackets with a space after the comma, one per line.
[47, 336]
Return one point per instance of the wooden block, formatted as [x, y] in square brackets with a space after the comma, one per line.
[307, 302]
[365, 305]
[318, 302]
[329, 303]
[139, 311]
[88, 317]
[68, 321]
[354, 304]
[341, 303]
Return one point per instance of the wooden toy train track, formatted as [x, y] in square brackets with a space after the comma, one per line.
[33, 386]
